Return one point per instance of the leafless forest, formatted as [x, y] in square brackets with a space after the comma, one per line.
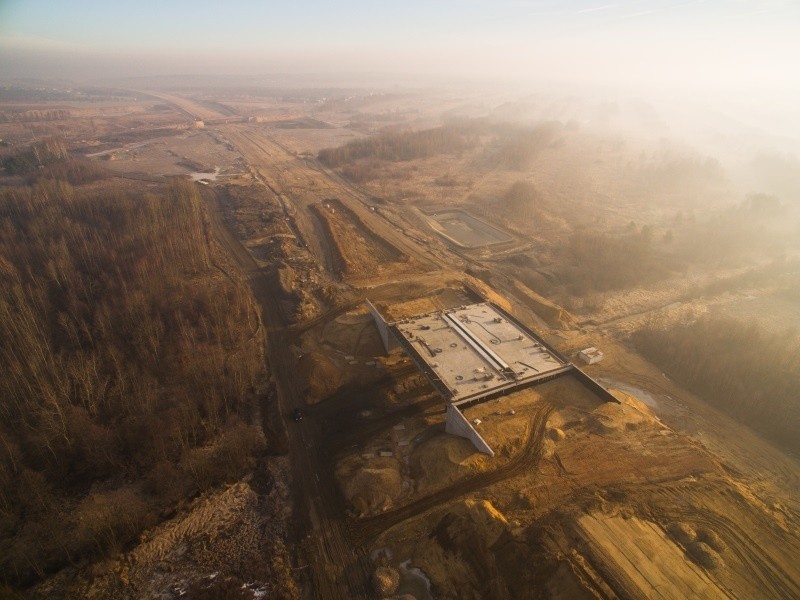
[126, 346]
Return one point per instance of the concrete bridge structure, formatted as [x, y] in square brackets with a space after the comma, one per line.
[471, 354]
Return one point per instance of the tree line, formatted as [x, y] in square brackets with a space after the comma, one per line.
[128, 364]
[28, 116]
[398, 145]
[524, 201]
[598, 261]
[516, 147]
[743, 370]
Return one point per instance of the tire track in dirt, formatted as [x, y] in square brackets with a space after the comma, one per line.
[339, 441]
[364, 530]
[772, 577]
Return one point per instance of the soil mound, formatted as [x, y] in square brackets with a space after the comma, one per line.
[465, 536]
[370, 486]
[319, 376]
[633, 401]
[444, 459]
[287, 279]
[385, 581]
[611, 417]
[704, 555]
[682, 533]
[472, 519]
[711, 538]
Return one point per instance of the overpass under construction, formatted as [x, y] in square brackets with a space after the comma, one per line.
[471, 354]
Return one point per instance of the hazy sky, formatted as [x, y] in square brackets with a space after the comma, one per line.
[693, 43]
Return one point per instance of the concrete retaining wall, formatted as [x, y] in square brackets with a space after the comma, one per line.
[389, 341]
[457, 424]
[595, 387]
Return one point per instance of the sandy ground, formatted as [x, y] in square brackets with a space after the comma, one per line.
[191, 151]
[646, 562]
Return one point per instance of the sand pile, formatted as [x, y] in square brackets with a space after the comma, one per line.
[468, 521]
[486, 519]
[287, 279]
[385, 581]
[702, 545]
[633, 401]
[459, 557]
[444, 459]
[682, 533]
[611, 417]
[704, 555]
[319, 376]
[370, 486]
[711, 538]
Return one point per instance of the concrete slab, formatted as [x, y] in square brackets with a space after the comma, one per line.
[475, 350]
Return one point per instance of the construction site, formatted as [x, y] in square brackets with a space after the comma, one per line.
[470, 354]
[450, 446]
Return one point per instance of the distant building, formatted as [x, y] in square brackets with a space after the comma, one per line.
[198, 124]
[590, 355]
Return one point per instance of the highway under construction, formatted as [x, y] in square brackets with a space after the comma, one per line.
[373, 463]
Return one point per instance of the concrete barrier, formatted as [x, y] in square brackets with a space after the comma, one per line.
[457, 424]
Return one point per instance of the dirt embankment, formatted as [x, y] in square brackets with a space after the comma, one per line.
[234, 538]
[357, 250]
[320, 376]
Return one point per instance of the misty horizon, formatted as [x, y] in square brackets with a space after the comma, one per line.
[702, 46]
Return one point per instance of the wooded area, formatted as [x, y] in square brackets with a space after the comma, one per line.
[524, 201]
[399, 145]
[513, 146]
[128, 362]
[749, 374]
[600, 262]
[38, 155]
[517, 147]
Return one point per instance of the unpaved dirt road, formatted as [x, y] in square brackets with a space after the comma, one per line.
[528, 458]
[299, 187]
[337, 570]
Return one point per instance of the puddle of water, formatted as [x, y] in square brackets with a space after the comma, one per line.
[414, 582]
[637, 393]
[205, 176]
